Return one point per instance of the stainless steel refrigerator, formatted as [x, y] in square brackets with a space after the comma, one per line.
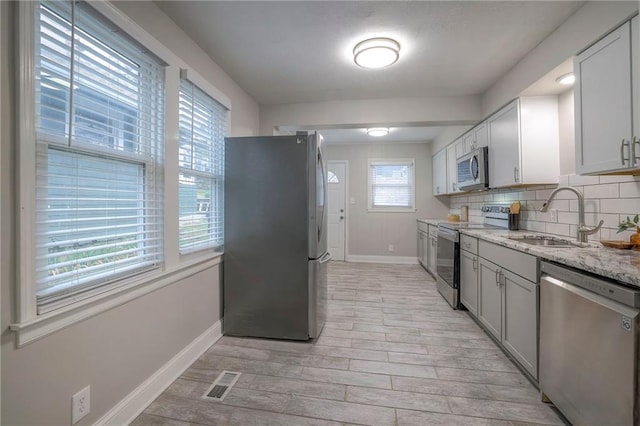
[275, 255]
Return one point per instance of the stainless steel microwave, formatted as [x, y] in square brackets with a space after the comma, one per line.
[473, 170]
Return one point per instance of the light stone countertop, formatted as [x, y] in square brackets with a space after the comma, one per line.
[434, 222]
[620, 265]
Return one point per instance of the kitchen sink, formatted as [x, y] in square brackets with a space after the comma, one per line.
[545, 241]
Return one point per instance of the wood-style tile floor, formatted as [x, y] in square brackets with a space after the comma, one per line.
[391, 353]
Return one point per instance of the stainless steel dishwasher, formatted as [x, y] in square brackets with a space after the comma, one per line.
[589, 329]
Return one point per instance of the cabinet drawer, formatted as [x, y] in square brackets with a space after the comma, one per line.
[423, 227]
[517, 262]
[469, 244]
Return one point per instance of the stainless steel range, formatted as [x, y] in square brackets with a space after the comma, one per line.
[496, 216]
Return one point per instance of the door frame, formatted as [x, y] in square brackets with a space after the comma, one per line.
[346, 203]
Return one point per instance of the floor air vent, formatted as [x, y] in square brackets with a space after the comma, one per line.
[223, 384]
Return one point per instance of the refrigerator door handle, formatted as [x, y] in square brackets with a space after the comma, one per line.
[327, 257]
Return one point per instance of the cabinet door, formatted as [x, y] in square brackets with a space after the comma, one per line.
[452, 169]
[481, 135]
[490, 297]
[469, 281]
[440, 173]
[433, 250]
[504, 147]
[469, 142]
[603, 104]
[520, 325]
[425, 248]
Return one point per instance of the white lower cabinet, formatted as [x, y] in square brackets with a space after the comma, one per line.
[433, 250]
[469, 281]
[469, 273]
[520, 320]
[508, 302]
[490, 298]
[423, 248]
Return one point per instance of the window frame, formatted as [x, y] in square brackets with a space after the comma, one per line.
[371, 163]
[28, 324]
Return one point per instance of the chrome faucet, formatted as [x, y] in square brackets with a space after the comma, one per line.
[583, 229]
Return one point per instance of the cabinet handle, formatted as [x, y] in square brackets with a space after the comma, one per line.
[634, 155]
[515, 174]
[623, 143]
[497, 276]
[475, 263]
[455, 186]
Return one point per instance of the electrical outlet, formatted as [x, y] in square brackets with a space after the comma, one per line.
[554, 214]
[80, 404]
[391, 248]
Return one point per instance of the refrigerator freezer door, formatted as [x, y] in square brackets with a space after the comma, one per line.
[318, 294]
[266, 271]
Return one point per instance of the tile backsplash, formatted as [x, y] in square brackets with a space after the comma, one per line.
[608, 198]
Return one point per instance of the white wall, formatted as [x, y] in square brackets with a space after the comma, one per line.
[245, 111]
[448, 135]
[585, 26]
[115, 351]
[371, 233]
[390, 112]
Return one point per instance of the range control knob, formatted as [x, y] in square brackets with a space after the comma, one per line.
[504, 210]
[485, 208]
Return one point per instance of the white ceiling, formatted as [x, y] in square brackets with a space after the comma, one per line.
[300, 51]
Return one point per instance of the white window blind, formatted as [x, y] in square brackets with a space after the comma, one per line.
[99, 126]
[391, 184]
[203, 126]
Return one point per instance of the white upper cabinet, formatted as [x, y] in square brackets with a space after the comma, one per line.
[504, 148]
[454, 151]
[468, 141]
[480, 135]
[452, 169]
[523, 143]
[440, 173]
[476, 137]
[607, 105]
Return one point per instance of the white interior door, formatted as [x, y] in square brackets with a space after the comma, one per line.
[337, 184]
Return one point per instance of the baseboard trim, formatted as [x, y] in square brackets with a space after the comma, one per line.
[401, 260]
[133, 404]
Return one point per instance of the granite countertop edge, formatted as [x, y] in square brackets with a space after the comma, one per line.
[434, 222]
[616, 264]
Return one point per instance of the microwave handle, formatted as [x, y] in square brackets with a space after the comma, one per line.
[471, 160]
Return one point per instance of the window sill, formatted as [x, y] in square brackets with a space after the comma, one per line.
[45, 324]
[370, 210]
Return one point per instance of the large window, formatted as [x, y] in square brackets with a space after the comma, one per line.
[391, 185]
[99, 132]
[203, 126]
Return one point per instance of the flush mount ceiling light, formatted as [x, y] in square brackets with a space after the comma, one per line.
[378, 131]
[376, 52]
[566, 79]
